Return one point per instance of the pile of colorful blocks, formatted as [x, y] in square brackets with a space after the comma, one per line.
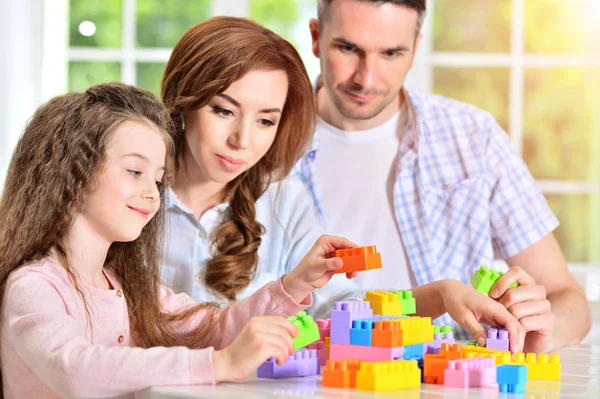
[376, 345]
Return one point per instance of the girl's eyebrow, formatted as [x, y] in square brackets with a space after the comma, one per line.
[140, 156]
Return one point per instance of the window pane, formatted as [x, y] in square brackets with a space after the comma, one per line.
[84, 74]
[486, 88]
[573, 28]
[149, 75]
[161, 23]
[95, 23]
[561, 123]
[289, 19]
[578, 233]
[472, 25]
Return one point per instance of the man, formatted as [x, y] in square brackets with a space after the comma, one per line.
[432, 182]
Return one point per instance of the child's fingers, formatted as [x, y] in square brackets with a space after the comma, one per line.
[515, 274]
[468, 321]
[332, 243]
[498, 315]
[333, 263]
[351, 275]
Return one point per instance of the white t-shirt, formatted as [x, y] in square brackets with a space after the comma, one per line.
[356, 171]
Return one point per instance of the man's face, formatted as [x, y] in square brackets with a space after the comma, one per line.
[366, 50]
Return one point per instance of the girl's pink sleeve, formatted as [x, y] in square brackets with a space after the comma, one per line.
[270, 299]
[48, 340]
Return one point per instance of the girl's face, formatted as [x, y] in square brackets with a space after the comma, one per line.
[236, 128]
[126, 195]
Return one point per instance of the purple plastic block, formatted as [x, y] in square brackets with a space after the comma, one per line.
[339, 335]
[304, 362]
[433, 347]
[344, 312]
[497, 339]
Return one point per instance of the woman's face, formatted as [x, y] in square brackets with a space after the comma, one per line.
[236, 128]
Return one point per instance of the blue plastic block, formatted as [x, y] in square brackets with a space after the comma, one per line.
[511, 378]
[413, 351]
[361, 332]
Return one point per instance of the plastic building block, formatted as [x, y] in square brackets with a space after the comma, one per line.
[408, 304]
[322, 352]
[359, 259]
[366, 353]
[484, 279]
[452, 352]
[324, 326]
[303, 363]
[434, 367]
[340, 335]
[384, 303]
[361, 331]
[388, 376]
[327, 343]
[472, 343]
[415, 351]
[497, 339]
[440, 336]
[472, 351]
[467, 373]
[511, 378]
[386, 334]
[416, 330]
[343, 313]
[307, 329]
[541, 367]
[341, 373]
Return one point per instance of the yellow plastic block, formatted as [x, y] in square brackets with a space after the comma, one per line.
[384, 303]
[500, 356]
[542, 367]
[416, 330]
[388, 376]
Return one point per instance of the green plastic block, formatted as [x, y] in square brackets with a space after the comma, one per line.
[307, 330]
[484, 279]
[472, 343]
[442, 331]
[407, 302]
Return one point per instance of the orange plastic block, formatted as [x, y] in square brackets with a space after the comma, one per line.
[452, 352]
[386, 334]
[327, 339]
[341, 373]
[433, 368]
[384, 303]
[359, 259]
[388, 376]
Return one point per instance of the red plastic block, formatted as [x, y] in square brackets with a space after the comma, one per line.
[366, 353]
[341, 373]
[467, 373]
[359, 259]
[322, 352]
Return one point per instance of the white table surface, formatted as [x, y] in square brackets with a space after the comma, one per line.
[580, 373]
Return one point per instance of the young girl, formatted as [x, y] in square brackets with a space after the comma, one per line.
[244, 113]
[83, 314]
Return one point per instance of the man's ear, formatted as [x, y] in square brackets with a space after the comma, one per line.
[313, 25]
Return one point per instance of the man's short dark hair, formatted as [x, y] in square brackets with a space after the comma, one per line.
[419, 6]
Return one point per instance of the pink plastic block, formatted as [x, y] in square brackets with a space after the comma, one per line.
[497, 339]
[324, 326]
[366, 353]
[322, 353]
[340, 335]
[344, 312]
[471, 372]
[433, 347]
[304, 362]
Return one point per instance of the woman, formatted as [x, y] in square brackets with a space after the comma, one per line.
[243, 112]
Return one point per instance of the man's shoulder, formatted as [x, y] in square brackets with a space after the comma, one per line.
[437, 110]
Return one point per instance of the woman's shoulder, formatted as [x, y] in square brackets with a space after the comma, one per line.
[289, 189]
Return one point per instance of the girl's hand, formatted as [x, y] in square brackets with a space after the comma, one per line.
[261, 338]
[470, 307]
[316, 269]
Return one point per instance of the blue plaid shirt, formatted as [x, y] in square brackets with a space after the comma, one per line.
[462, 193]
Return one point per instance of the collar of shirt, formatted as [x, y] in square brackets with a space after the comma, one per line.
[208, 221]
